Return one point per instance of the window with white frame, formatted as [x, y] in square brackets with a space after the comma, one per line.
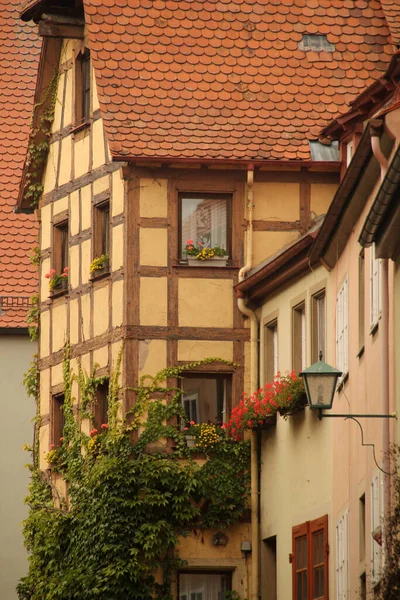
[270, 350]
[374, 278]
[299, 337]
[376, 529]
[342, 557]
[342, 328]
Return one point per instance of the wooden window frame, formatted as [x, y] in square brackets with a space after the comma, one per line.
[82, 89]
[308, 530]
[57, 420]
[343, 556]
[227, 572]
[299, 330]
[315, 326]
[207, 195]
[101, 226]
[227, 377]
[271, 349]
[60, 245]
[100, 406]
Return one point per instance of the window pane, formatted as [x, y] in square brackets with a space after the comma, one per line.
[205, 220]
[318, 564]
[105, 230]
[64, 248]
[204, 399]
[203, 586]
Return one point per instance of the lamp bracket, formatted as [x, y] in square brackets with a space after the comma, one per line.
[322, 415]
[354, 418]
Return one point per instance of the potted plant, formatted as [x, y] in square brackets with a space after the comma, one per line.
[58, 282]
[285, 395]
[100, 264]
[199, 254]
[202, 436]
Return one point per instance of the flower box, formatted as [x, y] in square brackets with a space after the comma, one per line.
[215, 261]
[104, 270]
[190, 441]
[297, 406]
[266, 423]
[60, 287]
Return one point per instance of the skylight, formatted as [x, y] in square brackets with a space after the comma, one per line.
[317, 43]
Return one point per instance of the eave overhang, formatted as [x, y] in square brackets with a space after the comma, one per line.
[279, 270]
[382, 225]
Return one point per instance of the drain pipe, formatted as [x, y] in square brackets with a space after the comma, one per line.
[383, 329]
[245, 310]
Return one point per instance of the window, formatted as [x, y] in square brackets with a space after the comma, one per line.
[374, 276]
[203, 586]
[361, 300]
[318, 329]
[269, 569]
[205, 397]
[361, 525]
[299, 337]
[270, 350]
[317, 43]
[310, 560]
[376, 531]
[60, 255]
[101, 229]
[57, 419]
[342, 557]
[100, 409]
[342, 332]
[349, 152]
[205, 218]
[82, 87]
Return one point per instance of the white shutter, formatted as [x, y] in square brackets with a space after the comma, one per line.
[275, 343]
[374, 278]
[342, 558]
[342, 328]
[376, 549]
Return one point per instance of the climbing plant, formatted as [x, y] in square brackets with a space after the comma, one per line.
[134, 487]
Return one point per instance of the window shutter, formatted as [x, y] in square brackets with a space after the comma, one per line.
[342, 331]
[342, 557]
[375, 522]
[374, 287]
[310, 560]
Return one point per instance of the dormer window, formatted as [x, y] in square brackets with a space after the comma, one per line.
[315, 43]
[82, 88]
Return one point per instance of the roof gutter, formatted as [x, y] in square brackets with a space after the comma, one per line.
[382, 202]
[323, 165]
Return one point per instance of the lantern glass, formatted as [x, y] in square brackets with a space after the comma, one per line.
[320, 390]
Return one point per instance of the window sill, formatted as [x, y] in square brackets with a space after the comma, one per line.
[374, 328]
[82, 127]
[208, 265]
[342, 382]
[99, 275]
[58, 293]
[360, 352]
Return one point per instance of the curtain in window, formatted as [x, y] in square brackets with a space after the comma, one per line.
[201, 586]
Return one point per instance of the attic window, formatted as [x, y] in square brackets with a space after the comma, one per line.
[316, 43]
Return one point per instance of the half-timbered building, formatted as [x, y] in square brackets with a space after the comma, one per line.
[179, 121]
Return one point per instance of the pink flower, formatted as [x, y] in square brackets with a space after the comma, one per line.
[61, 439]
[52, 445]
[64, 275]
[200, 243]
[189, 242]
[185, 428]
[66, 269]
[192, 423]
[104, 426]
[93, 432]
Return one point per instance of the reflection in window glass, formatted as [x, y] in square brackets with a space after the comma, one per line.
[204, 219]
[203, 586]
[204, 399]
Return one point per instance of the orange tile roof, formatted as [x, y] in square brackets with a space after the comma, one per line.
[19, 57]
[224, 79]
[391, 9]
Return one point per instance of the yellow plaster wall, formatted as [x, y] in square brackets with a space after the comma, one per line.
[68, 99]
[95, 98]
[86, 260]
[67, 52]
[276, 201]
[101, 185]
[65, 163]
[205, 302]
[152, 356]
[117, 257]
[59, 316]
[44, 434]
[45, 392]
[99, 156]
[57, 377]
[44, 287]
[81, 156]
[60, 205]
[266, 243]
[86, 201]
[85, 308]
[153, 197]
[45, 227]
[153, 301]
[44, 342]
[118, 193]
[74, 321]
[100, 312]
[191, 350]
[153, 246]
[321, 197]
[74, 266]
[117, 303]
[58, 105]
[100, 357]
[51, 168]
[74, 213]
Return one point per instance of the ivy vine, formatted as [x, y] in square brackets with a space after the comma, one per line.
[130, 496]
